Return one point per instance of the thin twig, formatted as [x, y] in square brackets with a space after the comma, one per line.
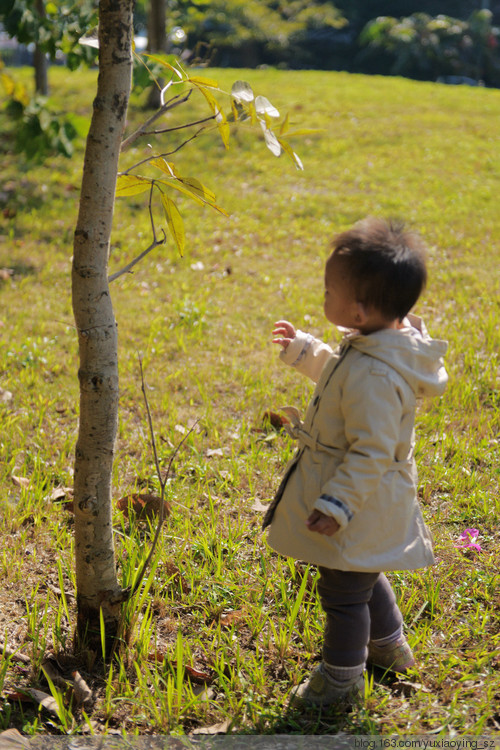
[166, 153]
[179, 127]
[154, 244]
[132, 263]
[171, 104]
[163, 480]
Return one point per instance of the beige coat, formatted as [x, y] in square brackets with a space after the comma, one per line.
[355, 458]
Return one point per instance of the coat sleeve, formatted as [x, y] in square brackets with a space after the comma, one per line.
[372, 407]
[306, 354]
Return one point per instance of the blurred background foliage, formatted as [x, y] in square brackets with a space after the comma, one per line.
[388, 37]
[395, 37]
[391, 37]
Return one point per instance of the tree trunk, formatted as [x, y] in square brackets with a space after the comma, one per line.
[157, 35]
[97, 584]
[157, 42]
[40, 62]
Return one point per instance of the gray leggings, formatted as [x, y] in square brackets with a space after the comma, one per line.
[359, 607]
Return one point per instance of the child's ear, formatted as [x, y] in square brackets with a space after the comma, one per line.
[361, 314]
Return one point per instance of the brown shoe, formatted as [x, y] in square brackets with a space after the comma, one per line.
[320, 689]
[397, 657]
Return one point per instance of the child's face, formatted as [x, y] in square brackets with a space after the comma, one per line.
[341, 306]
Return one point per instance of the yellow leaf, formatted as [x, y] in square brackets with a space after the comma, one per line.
[165, 64]
[177, 185]
[284, 125]
[190, 188]
[128, 184]
[225, 132]
[291, 153]
[212, 101]
[220, 117]
[165, 166]
[174, 221]
[197, 187]
[199, 81]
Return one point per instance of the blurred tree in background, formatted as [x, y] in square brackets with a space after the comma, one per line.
[53, 29]
[421, 46]
[389, 37]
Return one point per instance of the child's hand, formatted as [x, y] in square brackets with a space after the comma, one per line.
[284, 332]
[322, 524]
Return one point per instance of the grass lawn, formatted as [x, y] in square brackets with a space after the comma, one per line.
[216, 635]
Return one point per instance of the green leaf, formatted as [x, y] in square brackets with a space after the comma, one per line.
[128, 184]
[174, 222]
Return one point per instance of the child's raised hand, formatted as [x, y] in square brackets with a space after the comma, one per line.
[322, 524]
[283, 333]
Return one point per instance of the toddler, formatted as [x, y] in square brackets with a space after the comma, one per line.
[348, 500]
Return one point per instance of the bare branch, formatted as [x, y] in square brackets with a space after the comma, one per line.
[163, 481]
[166, 153]
[179, 127]
[174, 102]
[134, 262]
[154, 244]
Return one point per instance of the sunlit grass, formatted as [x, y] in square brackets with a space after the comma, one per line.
[216, 599]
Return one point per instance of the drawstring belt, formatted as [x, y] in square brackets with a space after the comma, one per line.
[295, 428]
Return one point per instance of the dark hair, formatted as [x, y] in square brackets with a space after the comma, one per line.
[385, 263]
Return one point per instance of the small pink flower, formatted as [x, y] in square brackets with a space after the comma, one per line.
[468, 540]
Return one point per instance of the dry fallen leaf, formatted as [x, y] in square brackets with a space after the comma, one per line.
[83, 694]
[14, 655]
[172, 571]
[231, 618]
[203, 693]
[259, 507]
[274, 420]
[5, 396]
[21, 481]
[51, 670]
[221, 728]
[214, 452]
[143, 506]
[44, 699]
[200, 678]
[407, 688]
[59, 493]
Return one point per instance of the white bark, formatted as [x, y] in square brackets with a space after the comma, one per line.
[97, 584]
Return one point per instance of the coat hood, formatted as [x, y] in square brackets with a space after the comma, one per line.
[410, 351]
